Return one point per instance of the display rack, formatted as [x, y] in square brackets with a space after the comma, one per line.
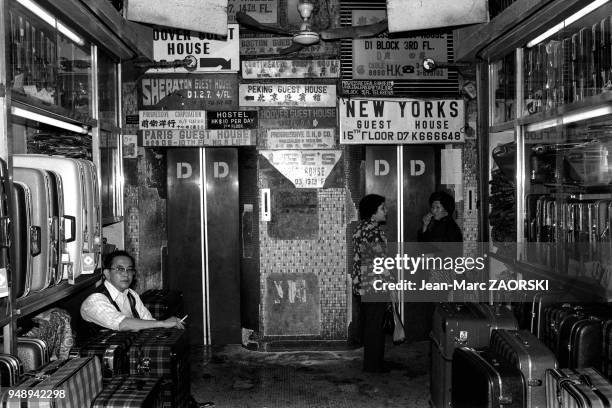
[53, 63]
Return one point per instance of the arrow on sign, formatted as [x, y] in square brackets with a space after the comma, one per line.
[215, 62]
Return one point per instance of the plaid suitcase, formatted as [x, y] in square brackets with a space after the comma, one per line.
[163, 303]
[61, 384]
[163, 353]
[125, 392]
[111, 348]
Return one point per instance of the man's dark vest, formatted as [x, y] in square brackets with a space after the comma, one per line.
[92, 328]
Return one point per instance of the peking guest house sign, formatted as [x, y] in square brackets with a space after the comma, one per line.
[269, 94]
[401, 121]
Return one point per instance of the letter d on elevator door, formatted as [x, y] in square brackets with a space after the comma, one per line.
[183, 170]
[381, 167]
[220, 169]
[417, 167]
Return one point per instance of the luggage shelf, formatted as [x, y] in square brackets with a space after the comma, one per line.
[39, 300]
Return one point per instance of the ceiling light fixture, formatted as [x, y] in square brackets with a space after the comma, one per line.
[26, 114]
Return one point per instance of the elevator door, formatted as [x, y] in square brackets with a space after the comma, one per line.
[203, 240]
[405, 176]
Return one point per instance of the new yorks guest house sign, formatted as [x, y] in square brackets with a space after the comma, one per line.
[401, 121]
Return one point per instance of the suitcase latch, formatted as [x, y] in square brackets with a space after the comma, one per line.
[534, 382]
[505, 399]
[144, 367]
[463, 337]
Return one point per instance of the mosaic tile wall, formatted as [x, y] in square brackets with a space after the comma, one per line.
[325, 257]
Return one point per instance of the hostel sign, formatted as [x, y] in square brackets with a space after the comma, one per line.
[212, 52]
[401, 121]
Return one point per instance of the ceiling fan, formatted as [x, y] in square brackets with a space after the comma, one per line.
[307, 35]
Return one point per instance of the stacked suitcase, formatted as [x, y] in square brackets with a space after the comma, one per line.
[164, 353]
[112, 348]
[460, 325]
[62, 238]
[163, 303]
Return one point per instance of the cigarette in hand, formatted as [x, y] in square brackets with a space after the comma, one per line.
[183, 319]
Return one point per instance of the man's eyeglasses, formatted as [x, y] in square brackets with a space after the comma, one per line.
[122, 269]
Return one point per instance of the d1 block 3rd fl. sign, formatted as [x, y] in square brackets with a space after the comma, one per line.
[212, 52]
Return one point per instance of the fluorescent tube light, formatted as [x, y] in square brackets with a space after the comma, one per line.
[49, 121]
[591, 113]
[571, 19]
[70, 34]
[534, 127]
[36, 9]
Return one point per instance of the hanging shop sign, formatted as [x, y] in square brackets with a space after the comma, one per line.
[198, 137]
[210, 15]
[401, 121]
[304, 168]
[439, 13]
[260, 94]
[326, 68]
[210, 52]
[396, 58]
[367, 88]
[297, 118]
[272, 45]
[300, 138]
[172, 119]
[264, 11]
[188, 91]
[232, 120]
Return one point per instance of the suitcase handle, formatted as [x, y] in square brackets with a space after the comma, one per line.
[72, 230]
[35, 241]
[5, 232]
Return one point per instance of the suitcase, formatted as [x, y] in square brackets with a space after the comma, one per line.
[57, 227]
[60, 384]
[526, 352]
[455, 325]
[93, 221]
[111, 348]
[20, 249]
[541, 301]
[32, 352]
[11, 370]
[163, 353]
[483, 379]
[584, 387]
[125, 391]
[6, 229]
[40, 240]
[73, 181]
[163, 303]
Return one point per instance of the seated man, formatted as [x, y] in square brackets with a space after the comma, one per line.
[117, 307]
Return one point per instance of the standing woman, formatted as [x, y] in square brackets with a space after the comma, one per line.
[369, 242]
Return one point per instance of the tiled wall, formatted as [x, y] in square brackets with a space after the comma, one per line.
[324, 257]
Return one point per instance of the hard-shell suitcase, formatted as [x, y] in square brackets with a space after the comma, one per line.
[127, 392]
[163, 303]
[40, 240]
[531, 356]
[163, 353]
[32, 352]
[483, 379]
[540, 302]
[20, 249]
[75, 212]
[93, 221]
[11, 370]
[60, 384]
[58, 238]
[456, 325]
[111, 348]
[577, 388]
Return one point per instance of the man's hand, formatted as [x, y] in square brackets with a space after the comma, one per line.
[173, 322]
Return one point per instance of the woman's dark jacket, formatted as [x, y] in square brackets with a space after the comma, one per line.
[443, 230]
